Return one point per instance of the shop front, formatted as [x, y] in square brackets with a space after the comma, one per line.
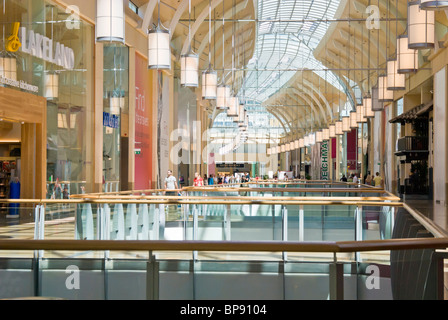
[46, 100]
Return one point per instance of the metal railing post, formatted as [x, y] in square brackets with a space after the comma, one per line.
[152, 278]
[336, 280]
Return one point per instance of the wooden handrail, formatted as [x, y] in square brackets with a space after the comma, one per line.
[226, 246]
[211, 200]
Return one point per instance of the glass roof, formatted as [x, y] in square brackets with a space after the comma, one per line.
[288, 33]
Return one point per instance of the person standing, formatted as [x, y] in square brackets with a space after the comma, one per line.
[198, 181]
[171, 184]
[378, 180]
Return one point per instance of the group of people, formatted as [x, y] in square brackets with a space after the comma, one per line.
[219, 179]
[373, 180]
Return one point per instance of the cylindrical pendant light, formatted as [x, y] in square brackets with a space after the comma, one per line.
[319, 137]
[301, 143]
[326, 134]
[234, 104]
[312, 139]
[346, 124]
[377, 106]
[384, 94]
[242, 116]
[434, 5]
[395, 80]
[288, 147]
[296, 144]
[283, 148]
[332, 130]
[339, 131]
[189, 65]
[268, 151]
[51, 86]
[110, 21]
[367, 106]
[306, 141]
[360, 114]
[8, 67]
[116, 104]
[407, 59]
[209, 84]
[159, 51]
[421, 27]
[353, 120]
[223, 95]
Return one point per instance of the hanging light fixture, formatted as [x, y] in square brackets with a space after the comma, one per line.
[209, 76]
[332, 131]
[346, 124]
[51, 85]
[433, 5]
[189, 62]
[8, 66]
[234, 103]
[395, 80]
[312, 139]
[384, 94]
[377, 106]
[407, 59]
[283, 148]
[353, 120]
[360, 114]
[242, 116]
[287, 146]
[421, 27]
[297, 144]
[223, 95]
[326, 134]
[319, 137]
[159, 51]
[367, 106]
[339, 131]
[301, 143]
[110, 21]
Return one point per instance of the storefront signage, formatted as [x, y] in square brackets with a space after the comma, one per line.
[230, 165]
[110, 120]
[324, 161]
[19, 84]
[42, 47]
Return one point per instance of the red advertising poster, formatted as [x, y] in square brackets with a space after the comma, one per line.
[143, 139]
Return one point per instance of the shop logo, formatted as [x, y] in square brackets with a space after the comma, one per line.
[13, 43]
[73, 21]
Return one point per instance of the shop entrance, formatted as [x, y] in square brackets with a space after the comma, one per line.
[23, 147]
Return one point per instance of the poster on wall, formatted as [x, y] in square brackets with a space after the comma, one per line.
[143, 139]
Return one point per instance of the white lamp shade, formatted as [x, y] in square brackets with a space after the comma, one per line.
[223, 95]
[283, 148]
[209, 85]
[292, 146]
[159, 51]
[116, 104]
[407, 59]
[367, 106]
[307, 141]
[353, 120]
[302, 143]
[421, 26]
[8, 68]
[233, 107]
[312, 139]
[189, 75]
[288, 147]
[110, 21]
[433, 4]
[395, 80]
[339, 131]
[242, 116]
[360, 114]
[332, 131]
[51, 86]
[346, 124]
[268, 151]
[297, 144]
[384, 94]
[326, 134]
[319, 137]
